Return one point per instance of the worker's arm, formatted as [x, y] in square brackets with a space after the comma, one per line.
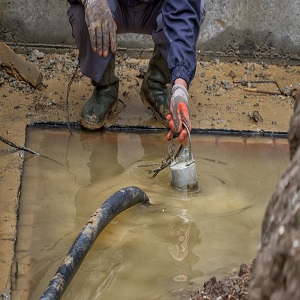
[181, 25]
[181, 20]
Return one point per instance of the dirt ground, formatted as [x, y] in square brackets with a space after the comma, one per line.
[217, 100]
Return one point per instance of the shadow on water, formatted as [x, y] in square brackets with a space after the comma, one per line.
[164, 251]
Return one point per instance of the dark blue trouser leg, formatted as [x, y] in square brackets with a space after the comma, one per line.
[91, 64]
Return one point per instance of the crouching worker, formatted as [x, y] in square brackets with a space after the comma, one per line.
[174, 26]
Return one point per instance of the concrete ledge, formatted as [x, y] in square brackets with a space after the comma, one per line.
[250, 28]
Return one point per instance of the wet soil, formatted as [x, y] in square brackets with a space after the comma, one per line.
[233, 286]
[218, 100]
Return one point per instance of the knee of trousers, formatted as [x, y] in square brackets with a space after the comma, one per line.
[91, 64]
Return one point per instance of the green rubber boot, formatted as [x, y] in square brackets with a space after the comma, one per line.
[155, 93]
[103, 100]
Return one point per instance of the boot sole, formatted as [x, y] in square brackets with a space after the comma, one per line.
[93, 125]
[148, 105]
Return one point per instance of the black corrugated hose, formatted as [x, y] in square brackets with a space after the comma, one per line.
[118, 202]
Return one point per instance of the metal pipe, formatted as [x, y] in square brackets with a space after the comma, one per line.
[255, 90]
[118, 202]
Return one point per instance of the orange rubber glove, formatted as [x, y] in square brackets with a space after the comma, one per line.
[101, 26]
[179, 113]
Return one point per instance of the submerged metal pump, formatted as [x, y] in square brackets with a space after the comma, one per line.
[183, 169]
[182, 166]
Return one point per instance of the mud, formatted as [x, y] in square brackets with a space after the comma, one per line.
[218, 100]
[234, 286]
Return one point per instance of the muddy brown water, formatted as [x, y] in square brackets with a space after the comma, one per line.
[165, 251]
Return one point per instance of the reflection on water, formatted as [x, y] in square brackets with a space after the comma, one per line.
[164, 251]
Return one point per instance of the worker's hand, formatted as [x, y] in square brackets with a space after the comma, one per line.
[179, 113]
[101, 26]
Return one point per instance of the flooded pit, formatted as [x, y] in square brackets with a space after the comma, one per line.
[165, 251]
